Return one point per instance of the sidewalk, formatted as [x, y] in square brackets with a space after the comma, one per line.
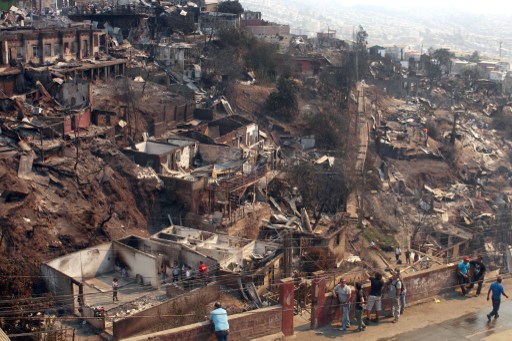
[450, 307]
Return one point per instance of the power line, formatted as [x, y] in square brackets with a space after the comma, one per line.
[252, 311]
[72, 296]
[332, 272]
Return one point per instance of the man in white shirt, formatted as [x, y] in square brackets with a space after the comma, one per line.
[395, 289]
[343, 292]
[398, 252]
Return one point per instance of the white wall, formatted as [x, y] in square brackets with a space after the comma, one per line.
[137, 262]
[87, 263]
[252, 132]
[185, 158]
[154, 148]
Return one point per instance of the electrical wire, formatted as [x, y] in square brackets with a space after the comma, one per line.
[228, 290]
[107, 293]
[422, 293]
[190, 282]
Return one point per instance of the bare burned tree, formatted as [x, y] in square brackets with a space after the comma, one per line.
[324, 189]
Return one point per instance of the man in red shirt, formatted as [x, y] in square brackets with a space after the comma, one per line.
[203, 272]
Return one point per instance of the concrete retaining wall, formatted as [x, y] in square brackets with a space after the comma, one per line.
[163, 314]
[245, 326]
[420, 286]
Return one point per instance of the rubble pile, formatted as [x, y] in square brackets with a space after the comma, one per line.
[446, 184]
[64, 202]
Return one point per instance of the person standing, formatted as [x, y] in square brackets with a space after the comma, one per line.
[360, 303]
[115, 287]
[219, 317]
[497, 290]
[398, 252]
[416, 257]
[375, 298]
[478, 274]
[462, 274]
[187, 278]
[343, 292]
[395, 288]
[203, 273]
[176, 273]
[403, 292]
[408, 256]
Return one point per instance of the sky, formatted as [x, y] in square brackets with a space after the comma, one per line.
[502, 7]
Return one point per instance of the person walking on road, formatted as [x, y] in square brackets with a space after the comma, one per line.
[219, 317]
[343, 292]
[463, 275]
[497, 290]
[375, 298]
[478, 274]
[360, 303]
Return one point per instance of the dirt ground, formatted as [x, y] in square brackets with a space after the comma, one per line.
[250, 99]
[62, 210]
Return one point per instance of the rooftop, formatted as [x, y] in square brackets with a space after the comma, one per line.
[226, 125]
[232, 253]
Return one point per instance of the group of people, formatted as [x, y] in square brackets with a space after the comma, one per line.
[471, 272]
[396, 293]
[409, 256]
[185, 274]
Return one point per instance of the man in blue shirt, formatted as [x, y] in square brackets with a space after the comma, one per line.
[219, 317]
[462, 274]
[497, 290]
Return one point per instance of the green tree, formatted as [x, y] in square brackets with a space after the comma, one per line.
[257, 55]
[443, 58]
[233, 7]
[432, 69]
[470, 73]
[475, 57]
[330, 129]
[262, 58]
[283, 103]
[362, 52]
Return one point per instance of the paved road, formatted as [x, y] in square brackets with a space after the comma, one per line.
[448, 319]
[472, 326]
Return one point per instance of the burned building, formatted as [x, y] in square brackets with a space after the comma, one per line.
[256, 261]
[235, 131]
[269, 32]
[47, 46]
[82, 281]
[173, 154]
[213, 22]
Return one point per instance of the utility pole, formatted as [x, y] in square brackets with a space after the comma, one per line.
[357, 65]
[360, 214]
[287, 254]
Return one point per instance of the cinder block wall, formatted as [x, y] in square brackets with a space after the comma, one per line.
[420, 286]
[245, 326]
